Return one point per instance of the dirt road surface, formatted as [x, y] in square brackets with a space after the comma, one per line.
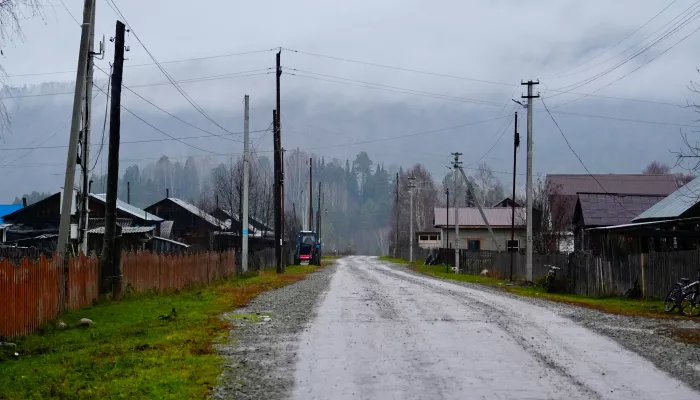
[385, 333]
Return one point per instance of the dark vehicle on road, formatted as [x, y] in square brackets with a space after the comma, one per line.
[308, 249]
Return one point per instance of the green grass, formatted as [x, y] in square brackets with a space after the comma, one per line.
[129, 352]
[394, 260]
[614, 305]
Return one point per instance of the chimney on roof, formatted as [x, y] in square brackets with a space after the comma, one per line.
[167, 193]
[24, 201]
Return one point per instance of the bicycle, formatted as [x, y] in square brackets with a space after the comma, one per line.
[678, 293]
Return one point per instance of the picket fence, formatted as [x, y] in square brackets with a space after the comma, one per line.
[34, 291]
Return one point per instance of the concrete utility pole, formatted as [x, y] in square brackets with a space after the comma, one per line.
[446, 239]
[455, 165]
[246, 171]
[85, 143]
[67, 201]
[516, 143]
[396, 211]
[529, 194]
[111, 253]
[411, 186]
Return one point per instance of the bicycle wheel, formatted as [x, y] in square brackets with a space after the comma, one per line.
[689, 305]
[671, 298]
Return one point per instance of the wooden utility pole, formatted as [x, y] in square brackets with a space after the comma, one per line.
[396, 211]
[311, 196]
[529, 194]
[67, 200]
[411, 186]
[318, 211]
[279, 174]
[277, 196]
[128, 192]
[111, 255]
[516, 143]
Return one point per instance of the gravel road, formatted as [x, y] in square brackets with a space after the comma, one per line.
[365, 329]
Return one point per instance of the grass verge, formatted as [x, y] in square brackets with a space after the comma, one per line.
[394, 260]
[613, 305]
[130, 352]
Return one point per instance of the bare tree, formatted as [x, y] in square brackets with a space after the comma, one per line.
[12, 12]
[552, 218]
[656, 167]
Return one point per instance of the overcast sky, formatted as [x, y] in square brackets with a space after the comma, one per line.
[500, 41]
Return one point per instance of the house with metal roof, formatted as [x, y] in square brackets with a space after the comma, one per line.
[190, 224]
[671, 224]
[594, 210]
[473, 232]
[682, 203]
[39, 223]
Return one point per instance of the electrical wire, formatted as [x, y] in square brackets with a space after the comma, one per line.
[104, 122]
[566, 72]
[445, 97]
[160, 67]
[666, 34]
[174, 116]
[163, 132]
[581, 161]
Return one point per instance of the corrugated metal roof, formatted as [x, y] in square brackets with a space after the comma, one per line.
[6, 209]
[675, 204]
[470, 216]
[129, 230]
[129, 209]
[199, 212]
[566, 184]
[608, 209]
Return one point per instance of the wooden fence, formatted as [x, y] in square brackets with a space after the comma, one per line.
[33, 292]
[652, 273]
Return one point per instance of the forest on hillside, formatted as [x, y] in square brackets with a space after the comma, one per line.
[357, 196]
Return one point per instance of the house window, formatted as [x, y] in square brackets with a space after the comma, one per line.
[513, 244]
[423, 237]
[435, 237]
[473, 244]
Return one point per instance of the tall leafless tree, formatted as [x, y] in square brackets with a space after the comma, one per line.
[12, 13]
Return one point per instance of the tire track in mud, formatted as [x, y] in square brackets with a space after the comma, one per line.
[509, 322]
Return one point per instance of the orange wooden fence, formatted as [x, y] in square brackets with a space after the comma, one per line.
[34, 291]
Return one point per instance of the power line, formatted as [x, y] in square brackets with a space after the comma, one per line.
[172, 115]
[634, 70]
[163, 132]
[581, 161]
[160, 67]
[670, 31]
[150, 64]
[446, 97]
[242, 74]
[565, 73]
[104, 123]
